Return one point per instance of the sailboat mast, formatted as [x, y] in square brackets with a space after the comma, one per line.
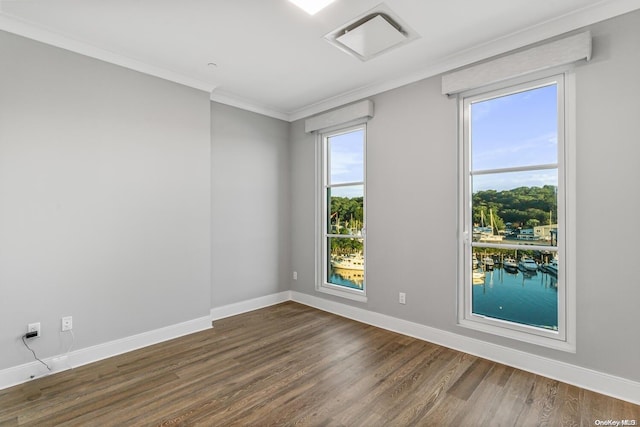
[491, 219]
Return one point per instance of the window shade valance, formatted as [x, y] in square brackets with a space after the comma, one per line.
[340, 116]
[560, 52]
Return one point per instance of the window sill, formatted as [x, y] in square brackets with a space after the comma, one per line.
[360, 297]
[530, 338]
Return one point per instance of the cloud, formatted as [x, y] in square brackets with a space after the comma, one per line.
[346, 166]
[511, 180]
[541, 149]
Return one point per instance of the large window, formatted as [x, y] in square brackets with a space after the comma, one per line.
[342, 206]
[514, 276]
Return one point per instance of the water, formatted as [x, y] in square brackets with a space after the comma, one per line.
[348, 278]
[530, 299]
[518, 297]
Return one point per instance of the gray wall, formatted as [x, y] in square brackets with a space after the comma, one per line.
[251, 205]
[412, 165]
[104, 200]
[133, 203]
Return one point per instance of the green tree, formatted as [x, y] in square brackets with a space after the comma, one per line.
[519, 206]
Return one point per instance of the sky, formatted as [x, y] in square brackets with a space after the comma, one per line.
[346, 155]
[515, 130]
[509, 131]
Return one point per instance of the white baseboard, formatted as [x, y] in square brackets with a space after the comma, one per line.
[62, 362]
[249, 305]
[599, 382]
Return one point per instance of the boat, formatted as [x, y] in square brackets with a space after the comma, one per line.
[349, 262]
[488, 263]
[552, 267]
[528, 264]
[510, 263]
[478, 277]
[486, 234]
[490, 238]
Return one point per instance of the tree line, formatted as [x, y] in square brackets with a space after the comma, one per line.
[348, 214]
[524, 207]
[347, 210]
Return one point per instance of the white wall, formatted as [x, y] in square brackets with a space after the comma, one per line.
[251, 205]
[104, 200]
[412, 168]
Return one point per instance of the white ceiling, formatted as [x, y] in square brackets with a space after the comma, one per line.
[271, 56]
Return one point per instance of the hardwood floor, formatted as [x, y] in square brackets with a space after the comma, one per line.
[293, 365]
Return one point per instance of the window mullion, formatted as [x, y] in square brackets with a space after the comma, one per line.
[515, 169]
[344, 184]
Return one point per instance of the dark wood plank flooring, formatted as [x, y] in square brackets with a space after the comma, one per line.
[293, 365]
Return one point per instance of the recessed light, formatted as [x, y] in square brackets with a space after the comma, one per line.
[312, 6]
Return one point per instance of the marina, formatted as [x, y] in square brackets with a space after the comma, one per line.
[522, 295]
[347, 270]
[520, 290]
[519, 286]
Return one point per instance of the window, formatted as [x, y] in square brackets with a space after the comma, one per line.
[515, 279]
[342, 212]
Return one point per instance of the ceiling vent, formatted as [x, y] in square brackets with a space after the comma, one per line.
[366, 37]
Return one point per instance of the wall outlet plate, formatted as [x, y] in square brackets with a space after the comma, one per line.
[34, 327]
[402, 298]
[67, 323]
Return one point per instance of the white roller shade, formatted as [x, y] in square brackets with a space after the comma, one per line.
[554, 54]
[349, 113]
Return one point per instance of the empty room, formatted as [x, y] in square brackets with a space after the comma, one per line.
[323, 213]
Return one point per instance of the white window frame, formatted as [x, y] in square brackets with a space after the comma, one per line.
[322, 284]
[564, 338]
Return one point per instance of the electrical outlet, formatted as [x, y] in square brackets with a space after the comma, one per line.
[34, 327]
[67, 323]
[295, 275]
[402, 298]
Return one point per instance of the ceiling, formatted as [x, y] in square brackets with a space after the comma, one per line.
[271, 56]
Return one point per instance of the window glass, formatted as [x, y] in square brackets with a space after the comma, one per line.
[515, 207]
[345, 266]
[346, 157]
[345, 209]
[513, 214]
[343, 212]
[518, 129]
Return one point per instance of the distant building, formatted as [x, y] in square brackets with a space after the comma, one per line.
[544, 232]
[526, 234]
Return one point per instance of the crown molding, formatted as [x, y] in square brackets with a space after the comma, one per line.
[16, 26]
[575, 20]
[552, 28]
[245, 104]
